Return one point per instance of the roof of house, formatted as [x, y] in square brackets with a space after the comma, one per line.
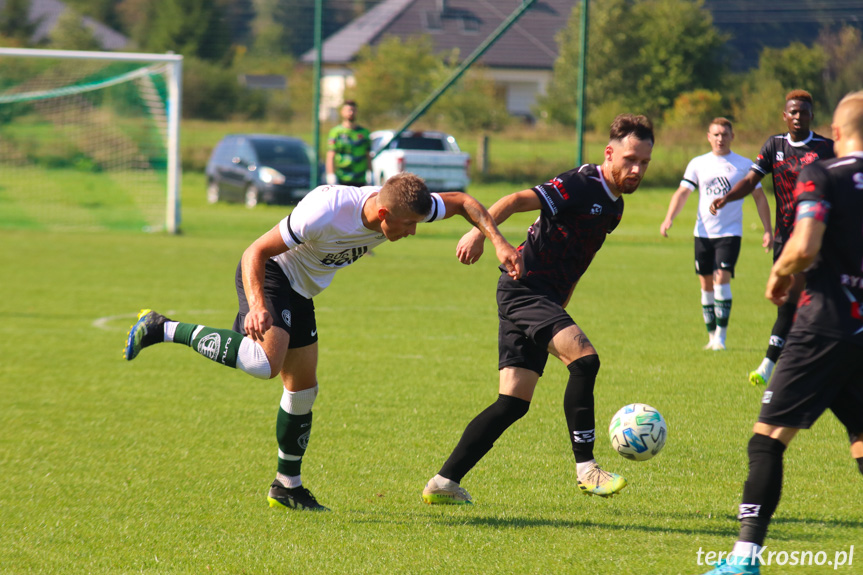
[464, 24]
[46, 13]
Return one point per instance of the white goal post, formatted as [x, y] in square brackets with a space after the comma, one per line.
[158, 104]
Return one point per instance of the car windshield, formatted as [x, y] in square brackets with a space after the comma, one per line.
[274, 152]
[419, 143]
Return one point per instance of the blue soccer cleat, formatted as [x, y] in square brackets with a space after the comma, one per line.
[149, 329]
[735, 566]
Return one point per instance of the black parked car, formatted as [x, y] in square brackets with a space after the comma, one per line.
[252, 168]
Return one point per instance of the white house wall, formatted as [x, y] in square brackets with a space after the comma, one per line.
[522, 88]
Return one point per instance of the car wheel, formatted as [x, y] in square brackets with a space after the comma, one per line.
[212, 193]
[251, 196]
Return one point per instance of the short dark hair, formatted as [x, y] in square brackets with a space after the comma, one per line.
[801, 95]
[720, 121]
[631, 125]
[351, 103]
[406, 191]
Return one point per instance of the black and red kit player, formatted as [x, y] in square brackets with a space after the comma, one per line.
[577, 211]
[784, 156]
[823, 359]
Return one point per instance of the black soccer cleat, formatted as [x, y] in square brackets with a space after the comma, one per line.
[149, 329]
[298, 498]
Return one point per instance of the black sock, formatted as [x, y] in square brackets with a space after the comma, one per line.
[860, 464]
[762, 489]
[578, 406]
[784, 319]
[292, 434]
[481, 433]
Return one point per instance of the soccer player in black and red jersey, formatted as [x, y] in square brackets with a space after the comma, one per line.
[578, 209]
[823, 359]
[784, 155]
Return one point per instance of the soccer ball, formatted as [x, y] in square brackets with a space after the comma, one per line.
[637, 431]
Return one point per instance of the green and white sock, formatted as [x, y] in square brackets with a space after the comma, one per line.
[293, 428]
[707, 311]
[722, 293]
[223, 346]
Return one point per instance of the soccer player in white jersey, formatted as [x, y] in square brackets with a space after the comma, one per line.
[275, 333]
[717, 236]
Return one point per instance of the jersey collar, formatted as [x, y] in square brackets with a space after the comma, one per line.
[800, 143]
[611, 196]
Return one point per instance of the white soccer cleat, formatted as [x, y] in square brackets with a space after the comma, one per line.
[448, 494]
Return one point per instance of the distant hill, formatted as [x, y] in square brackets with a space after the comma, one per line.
[776, 23]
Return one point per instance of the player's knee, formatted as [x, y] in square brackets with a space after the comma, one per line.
[761, 446]
[511, 408]
[253, 360]
[587, 365]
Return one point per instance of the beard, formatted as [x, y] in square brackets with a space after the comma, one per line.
[625, 185]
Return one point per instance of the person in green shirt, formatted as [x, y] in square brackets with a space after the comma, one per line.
[348, 150]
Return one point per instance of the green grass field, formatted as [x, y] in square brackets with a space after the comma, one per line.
[162, 465]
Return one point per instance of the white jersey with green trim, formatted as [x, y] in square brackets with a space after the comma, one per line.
[325, 233]
[714, 176]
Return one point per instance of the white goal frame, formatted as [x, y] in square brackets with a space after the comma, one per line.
[174, 65]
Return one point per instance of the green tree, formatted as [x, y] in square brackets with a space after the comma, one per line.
[843, 71]
[15, 21]
[796, 66]
[71, 33]
[694, 110]
[631, 66]
[474, 103]
[188, 27]
[394, 77]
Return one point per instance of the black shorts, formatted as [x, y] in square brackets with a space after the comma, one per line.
[716, 254]
[528, 322]
[292, 312]
[815, 373]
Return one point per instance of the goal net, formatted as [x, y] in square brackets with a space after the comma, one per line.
[89, 140]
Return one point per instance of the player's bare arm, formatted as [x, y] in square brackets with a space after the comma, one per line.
[740, 190]
[798, 254]
[470, 247]
[484, 224]
[678, 200]
[764, 215]
[258, 321]
[331, 167]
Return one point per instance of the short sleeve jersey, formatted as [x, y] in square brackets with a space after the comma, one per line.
[784, 159]
[578, 211]
[831, 304]
[351, 147]
[714, 176]
[325, 233]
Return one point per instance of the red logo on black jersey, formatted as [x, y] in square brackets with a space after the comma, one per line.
[809, 158]
[801, 187]
[558, 185]
[805, 299]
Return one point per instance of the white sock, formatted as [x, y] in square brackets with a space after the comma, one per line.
[442, 482]
[298, 402]
[252, 359]
[722, 291]
[582, 468]
[745, 549]
[170, 329]
[766, 368]
[289, 481]
[719, 334]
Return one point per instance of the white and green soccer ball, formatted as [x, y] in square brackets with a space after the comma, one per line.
[637, 431]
